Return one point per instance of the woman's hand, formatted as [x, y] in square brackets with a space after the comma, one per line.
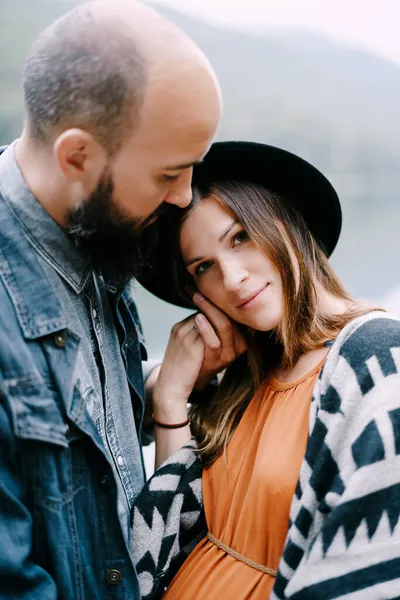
[222, 339]
[199, 347]
[180, 369]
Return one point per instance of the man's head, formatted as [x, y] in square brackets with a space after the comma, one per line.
[119, 105]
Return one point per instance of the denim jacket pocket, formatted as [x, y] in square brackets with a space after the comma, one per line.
[52, 452]
[35, 411]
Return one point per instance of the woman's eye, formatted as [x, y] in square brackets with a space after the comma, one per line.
[202, 268]
[240, 237]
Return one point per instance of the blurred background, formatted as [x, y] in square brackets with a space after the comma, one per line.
[319, 78]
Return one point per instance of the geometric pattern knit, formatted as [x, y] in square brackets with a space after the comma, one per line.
[167, 521]
[343, 539]
[344, 532]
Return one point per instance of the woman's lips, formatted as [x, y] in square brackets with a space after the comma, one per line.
[252, 300]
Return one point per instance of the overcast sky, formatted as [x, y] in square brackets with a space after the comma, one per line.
[370, 24]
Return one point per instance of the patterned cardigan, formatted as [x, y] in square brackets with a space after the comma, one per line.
[343, 539]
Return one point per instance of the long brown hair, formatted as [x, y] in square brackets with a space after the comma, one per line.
[281, 232]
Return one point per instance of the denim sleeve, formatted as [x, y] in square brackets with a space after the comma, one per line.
[20, 577]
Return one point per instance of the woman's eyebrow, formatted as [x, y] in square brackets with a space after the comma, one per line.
[192, 260]
[231, 226]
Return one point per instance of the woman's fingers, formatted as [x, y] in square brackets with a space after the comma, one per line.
[222, 325]
[240, 343]
[207, 332]
[209, 337]
[183, 328]
[232, 342]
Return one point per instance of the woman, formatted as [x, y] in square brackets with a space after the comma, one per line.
[299, 449]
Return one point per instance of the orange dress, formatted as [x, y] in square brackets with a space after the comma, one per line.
[247, 497]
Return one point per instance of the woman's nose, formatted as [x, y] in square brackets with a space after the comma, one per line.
[234, 273]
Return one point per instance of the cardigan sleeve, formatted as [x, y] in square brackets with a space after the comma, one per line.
[344, 534]
[167, 521]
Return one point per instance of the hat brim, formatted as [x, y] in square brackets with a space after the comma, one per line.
[280, 171]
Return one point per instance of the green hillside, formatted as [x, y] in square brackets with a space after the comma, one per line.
[336, 106]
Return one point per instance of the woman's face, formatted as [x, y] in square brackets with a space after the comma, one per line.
[230, 269]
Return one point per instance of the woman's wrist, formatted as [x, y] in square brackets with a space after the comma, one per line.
[168, 411]
[169, 425]
[168, 402]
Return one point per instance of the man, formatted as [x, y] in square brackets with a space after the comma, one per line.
[119, 105]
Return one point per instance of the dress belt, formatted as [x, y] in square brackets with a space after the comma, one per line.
[238, 556]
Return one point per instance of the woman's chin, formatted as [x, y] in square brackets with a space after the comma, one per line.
[265, 323]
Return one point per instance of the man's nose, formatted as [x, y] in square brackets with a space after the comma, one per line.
[181, 194]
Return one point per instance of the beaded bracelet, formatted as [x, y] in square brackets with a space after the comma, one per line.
[170, 425]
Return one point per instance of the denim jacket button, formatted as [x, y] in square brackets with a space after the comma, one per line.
[60, 339]
[114, 576]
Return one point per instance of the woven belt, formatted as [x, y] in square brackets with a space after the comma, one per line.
[238, 556]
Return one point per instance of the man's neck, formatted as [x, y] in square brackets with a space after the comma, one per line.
[39, 171]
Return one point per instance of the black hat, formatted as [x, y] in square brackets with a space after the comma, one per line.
[279, 171]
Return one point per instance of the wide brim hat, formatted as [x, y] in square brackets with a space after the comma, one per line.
[291, 177]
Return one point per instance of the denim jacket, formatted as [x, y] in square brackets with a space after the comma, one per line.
[60, 534]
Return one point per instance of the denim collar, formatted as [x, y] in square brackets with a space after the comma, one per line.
[42, 232]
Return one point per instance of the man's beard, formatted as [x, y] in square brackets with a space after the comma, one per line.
[118, 246]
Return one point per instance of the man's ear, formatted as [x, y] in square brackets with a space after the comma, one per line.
[80, 157]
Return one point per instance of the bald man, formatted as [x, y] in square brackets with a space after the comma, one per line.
[119, 106]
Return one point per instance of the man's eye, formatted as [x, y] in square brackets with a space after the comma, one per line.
[240, 237]
[170, 177]
[202, 268]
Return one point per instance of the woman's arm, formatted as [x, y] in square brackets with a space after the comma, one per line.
[199, 347]
[178, 374]
[167, 521]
